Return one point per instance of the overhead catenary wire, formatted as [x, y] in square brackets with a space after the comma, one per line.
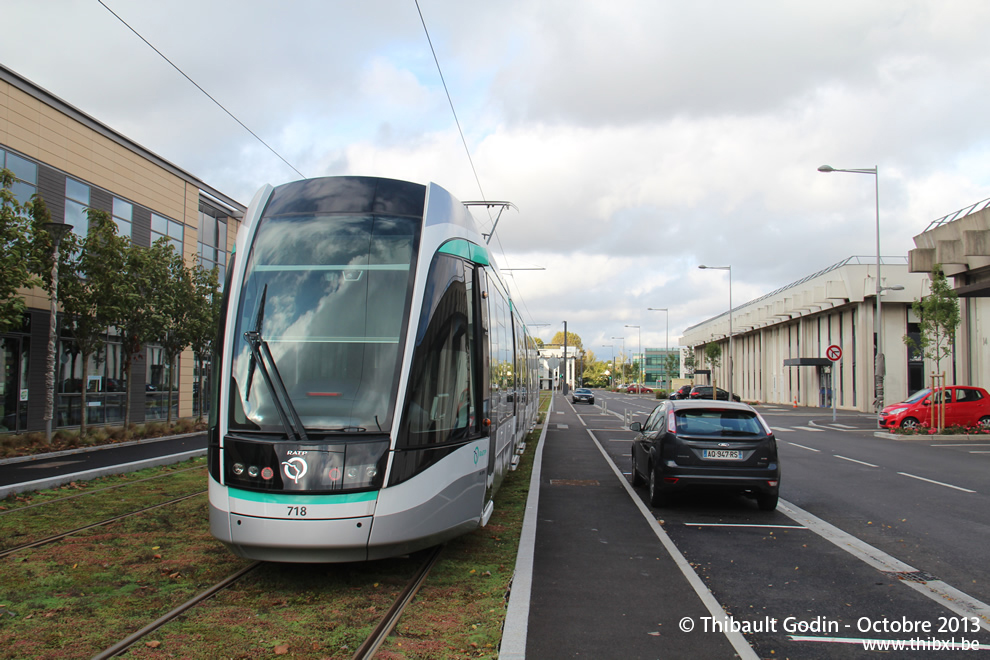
[207, 94]
[460, 131]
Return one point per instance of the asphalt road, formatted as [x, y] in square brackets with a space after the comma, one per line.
[49, 470]
[894, 534]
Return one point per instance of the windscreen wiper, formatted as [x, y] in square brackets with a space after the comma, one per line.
[280, 396]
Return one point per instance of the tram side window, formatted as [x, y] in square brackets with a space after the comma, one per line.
[440, 404]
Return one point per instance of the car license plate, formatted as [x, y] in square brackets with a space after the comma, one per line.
[722, 454]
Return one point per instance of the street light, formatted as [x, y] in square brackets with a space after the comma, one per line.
[56, 230]
[666, 345]
[728, 268]
[641, 356]
[623, 353]
[611, 375]
[879, 366]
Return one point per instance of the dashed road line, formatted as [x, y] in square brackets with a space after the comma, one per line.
[853, 460]
[940, 483]
[803, 447]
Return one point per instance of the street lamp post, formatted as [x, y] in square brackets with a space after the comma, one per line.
[642, 357]
[666, 342]
[623, 354]
[56, 230]
[879, 366]
[728, 268]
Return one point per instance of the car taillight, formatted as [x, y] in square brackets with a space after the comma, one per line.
[772, 483]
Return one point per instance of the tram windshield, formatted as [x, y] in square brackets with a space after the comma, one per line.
[329, 295]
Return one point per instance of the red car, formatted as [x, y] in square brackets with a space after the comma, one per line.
[638, 389]
[964, 406]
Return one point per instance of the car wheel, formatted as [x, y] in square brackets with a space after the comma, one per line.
[767, 501]
[636, 479]
[984, 422]
[909, 423]
[657, 496]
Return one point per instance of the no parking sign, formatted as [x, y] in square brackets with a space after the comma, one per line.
[833, 353]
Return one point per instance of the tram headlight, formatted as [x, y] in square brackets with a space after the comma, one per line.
[253, 471]
[370, 472]
[238, 469]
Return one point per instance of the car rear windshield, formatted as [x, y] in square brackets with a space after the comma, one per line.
[718, 422]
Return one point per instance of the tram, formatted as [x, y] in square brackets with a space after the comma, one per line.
[375, 380]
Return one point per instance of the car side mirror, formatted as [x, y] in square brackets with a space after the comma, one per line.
[636, 426]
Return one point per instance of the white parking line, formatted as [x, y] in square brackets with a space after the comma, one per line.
[932, 481]
[810, 428]
[803, 447]
[845, 458]
[937, 590]
[688, 524]
[842, 426]
[781, 430]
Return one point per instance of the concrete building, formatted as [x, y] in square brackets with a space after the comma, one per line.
[960, 242]
[780, 339]
[74, 162]
[553, 366]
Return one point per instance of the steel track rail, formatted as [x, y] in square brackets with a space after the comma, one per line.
[128, 641]
[99, 490]
[370, 646]
[58, 537]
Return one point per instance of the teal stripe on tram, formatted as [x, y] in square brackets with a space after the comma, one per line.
[461, 248]
[283, 498]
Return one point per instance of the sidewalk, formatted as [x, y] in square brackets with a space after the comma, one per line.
[604, 581]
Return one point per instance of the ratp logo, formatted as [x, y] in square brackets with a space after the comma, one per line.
[478, 453]
[295, 468]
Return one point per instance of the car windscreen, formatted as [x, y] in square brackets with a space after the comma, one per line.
[718, 422]
[918, 396]
[582, 390]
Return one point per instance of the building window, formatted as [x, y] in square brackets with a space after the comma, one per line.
[25, 175]
[76, 203]
[162, 227]
[212, 241]
[123, 216]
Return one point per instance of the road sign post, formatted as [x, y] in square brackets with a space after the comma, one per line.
[833, 353]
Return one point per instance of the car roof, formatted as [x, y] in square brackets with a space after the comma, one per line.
[682, 404]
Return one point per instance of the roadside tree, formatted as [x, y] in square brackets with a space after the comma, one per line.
[15, 254]
[88, 286]
[204, 320]
[938, 318]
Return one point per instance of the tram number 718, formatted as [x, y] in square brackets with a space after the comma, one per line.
[297, 511]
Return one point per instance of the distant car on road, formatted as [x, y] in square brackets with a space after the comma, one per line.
[681, 392]
[720, 445]
[964, 406]
[582, 394]
[638, 389]
[705, 392]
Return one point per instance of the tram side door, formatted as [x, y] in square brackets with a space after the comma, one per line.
[483, 375]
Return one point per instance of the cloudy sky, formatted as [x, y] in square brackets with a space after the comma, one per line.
[638, 138]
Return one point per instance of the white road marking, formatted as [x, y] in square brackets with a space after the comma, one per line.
[803, 447]
[743, 525]
[841, 426]
[846, 458]
[810, 428]
[937, 590]
[781, 430]
[739, 643]
[964, 444]
[940, 483]
[893, 644]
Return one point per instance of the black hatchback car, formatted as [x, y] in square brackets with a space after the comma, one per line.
[681, 392]
[708, 445]
[705, 392]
